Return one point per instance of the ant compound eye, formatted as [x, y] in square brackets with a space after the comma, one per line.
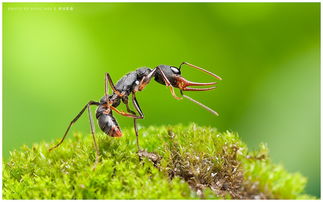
[175, 70]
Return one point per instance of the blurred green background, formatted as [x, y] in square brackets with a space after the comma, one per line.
[55, 56]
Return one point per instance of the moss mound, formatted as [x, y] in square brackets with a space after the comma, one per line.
[180, 163]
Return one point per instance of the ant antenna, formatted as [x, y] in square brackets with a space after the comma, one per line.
[201, 69]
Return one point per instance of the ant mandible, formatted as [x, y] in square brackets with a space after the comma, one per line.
[130, 84]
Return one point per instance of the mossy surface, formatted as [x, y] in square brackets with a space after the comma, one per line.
[195, 162]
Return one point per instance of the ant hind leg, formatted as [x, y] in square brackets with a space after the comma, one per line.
[97, 152]
[87, 106]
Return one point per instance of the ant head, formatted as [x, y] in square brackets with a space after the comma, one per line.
[175, 70]
[170, 72]
[173, 75]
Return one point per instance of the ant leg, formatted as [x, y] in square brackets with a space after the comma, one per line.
[73, 121]
[136, 132]
[125, 101]
[137, 107]
[106, 89]
[171, 88]
[129, 110]
[134, 123]
[147, 79]
[112, 85]
[108, 79]
[135, 103]
[125, 113]
[97, 153]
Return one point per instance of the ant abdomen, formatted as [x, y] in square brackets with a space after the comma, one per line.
[108, 123]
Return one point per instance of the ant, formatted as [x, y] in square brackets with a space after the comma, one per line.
[130, 84]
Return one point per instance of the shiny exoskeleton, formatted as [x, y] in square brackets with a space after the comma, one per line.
[130, 84]
[123, 88]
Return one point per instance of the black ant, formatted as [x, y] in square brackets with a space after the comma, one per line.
[130, 84]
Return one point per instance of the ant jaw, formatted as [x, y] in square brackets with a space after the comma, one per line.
[182, 84]
[198, 89]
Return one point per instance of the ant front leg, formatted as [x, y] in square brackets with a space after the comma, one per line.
[171, 88]
[147, 79]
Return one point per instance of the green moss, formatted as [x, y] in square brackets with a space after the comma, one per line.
[196, 162]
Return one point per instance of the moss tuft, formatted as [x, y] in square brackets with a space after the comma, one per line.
[188, 163]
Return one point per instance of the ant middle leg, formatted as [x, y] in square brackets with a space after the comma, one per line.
[137, 107]
[125, 101]
[142, 153]
[135, 103]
